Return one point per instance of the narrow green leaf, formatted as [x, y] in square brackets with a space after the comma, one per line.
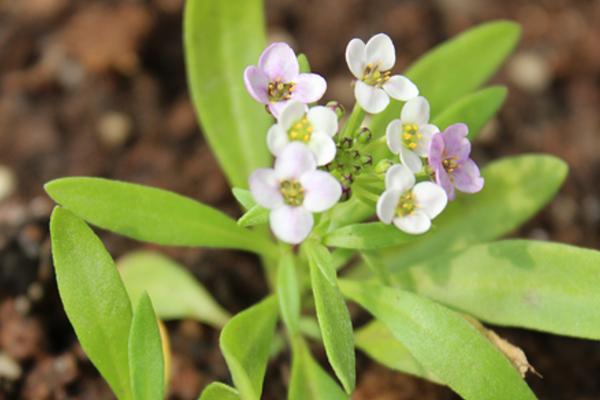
[341, 257]
[377, 267]
[304, 64]
[335, 323]
[536, 285]
[367, 236]
[221, 39]
[94, 297]
[152, 215]
[148, 271]
[245, 343]
[288, 293]
[219, 391]
[257, 215]
[309, 380]
[443, 342]
[146, 361]
[475, 109]
[244, 197]
[321, 257]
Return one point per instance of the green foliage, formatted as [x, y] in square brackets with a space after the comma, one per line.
[257, 215]
[152, 215]
[146, 361]
[245, 344]
[288, 292]
[219, 391]
[94, 298]
[368, 236]
[538, 285]
[221, 39]
[175, 293]
[244, 197]
[303, 63]
[443, 342]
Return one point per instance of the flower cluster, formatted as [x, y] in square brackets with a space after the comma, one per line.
[315, 166]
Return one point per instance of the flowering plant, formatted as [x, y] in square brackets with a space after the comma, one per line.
[385, 208]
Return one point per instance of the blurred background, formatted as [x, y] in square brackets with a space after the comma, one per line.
[98, 88]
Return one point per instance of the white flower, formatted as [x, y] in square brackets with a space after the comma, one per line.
[293, 191]
[410, 207]
[315, 127]
[371, 65]
[410, 136]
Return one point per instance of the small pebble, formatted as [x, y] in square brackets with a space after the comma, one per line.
[114, 129]
[9, 368]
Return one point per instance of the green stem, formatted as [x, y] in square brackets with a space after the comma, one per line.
[354, 120]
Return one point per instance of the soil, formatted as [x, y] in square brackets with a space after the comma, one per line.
[98, 88]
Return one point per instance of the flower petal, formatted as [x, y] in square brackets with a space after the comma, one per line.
[436, 151]
[400, 178]
[443, 179]
[309, 88]
[323, 119]
[456, 142]
[294, 160]
[323, 148]
[430, 198]
[393, 135]
[291, 113]
[401, 88]
[279, 62]
[386, 205]
[356, 57]
[291, 224]
[321, 190]
[415, 111]
[427, 131]
[467, 177]
[277, 139]
[411, 160]
[373, 100]
[256, 84]
[381, 52]
[275, 108]
[264, 186]
[415, 223]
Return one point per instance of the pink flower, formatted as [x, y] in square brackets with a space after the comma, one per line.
[277, 79]
[449, 159]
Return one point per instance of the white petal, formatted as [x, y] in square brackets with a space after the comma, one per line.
[291, 113]
[386, 205]
[291, 224]
[356, 57]
[264, 187]
[411, 160]
[277, 139]
[415, 111]
[323, 148]
[401, 88]
[430, 198]
[294, 160]
[321, 190]
[399, 177]
[427, 131]
[381, 52]
[393, 134]
[415, 223]
[323, 119]
[373, 100]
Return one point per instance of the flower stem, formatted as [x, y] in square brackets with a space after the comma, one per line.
[354, 121]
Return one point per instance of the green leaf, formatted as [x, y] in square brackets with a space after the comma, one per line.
[245, 344]
[146, 361]
[321, 258]
[308, 380]
[219, 391]
[288, 293]
[334, 321]
[456, 68]
[257, 215]
[221, 39]
[244, 197]
[536, 285]
[380, 344]
[475, 110]
[148, 271]
[367, 236]
[93, 296]
[152, 215]
[443, 342]
[304, 64]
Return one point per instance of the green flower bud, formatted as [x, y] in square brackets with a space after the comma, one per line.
[337, 107]
[382, 166]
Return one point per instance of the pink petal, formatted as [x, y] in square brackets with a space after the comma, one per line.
[321, 190]
[443, 179]
[456, 142]
[467, 177]
[436, 151]
[264, 187]
[279, 62]
[256, 84]
[291, 224]
[294, 160]
[277, 107]
[309, 88]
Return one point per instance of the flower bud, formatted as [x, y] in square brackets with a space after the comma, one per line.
[364, 135]
[382, 166]
[337, 107]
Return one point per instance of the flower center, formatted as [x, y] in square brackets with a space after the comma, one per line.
[411, 135]
[292, 192]
[450, 164]
[301, 130]
[279, 91]
[406, 205]
[374, 77]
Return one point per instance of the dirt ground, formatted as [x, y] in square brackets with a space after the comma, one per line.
[98, 88]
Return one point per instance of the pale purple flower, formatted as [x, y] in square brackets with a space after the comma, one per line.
[293, 190]
[410, 207]
[371, 64]
[277, 79]
[314, 127]
[449, 159]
